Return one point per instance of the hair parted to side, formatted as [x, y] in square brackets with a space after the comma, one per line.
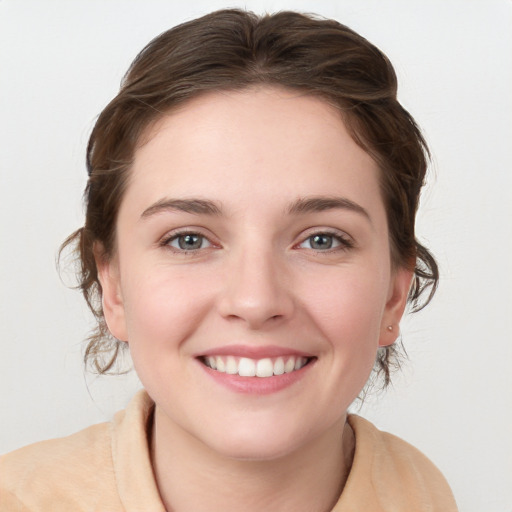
[234, 50]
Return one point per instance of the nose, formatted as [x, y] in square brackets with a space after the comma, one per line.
[257, 290]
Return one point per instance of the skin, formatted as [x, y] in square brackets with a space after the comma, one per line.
[257, 279]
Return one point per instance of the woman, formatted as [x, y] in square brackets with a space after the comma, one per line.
[250, 237]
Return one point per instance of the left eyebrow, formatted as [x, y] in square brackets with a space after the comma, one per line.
[322, 203]
[195, 206]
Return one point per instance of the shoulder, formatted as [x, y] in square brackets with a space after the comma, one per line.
[59, 474]
[397, 454]
[105, 467]
[396, 473]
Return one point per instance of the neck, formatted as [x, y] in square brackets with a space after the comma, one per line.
[192, 477]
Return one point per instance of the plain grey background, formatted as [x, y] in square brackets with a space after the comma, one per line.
[61, 62]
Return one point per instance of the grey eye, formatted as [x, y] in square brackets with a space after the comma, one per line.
[189, 242]
[320, 242]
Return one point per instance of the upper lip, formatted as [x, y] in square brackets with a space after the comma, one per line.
[254, 352]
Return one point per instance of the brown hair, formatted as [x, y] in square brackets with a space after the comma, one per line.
[233, 50]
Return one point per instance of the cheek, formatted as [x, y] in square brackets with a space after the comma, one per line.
[346, 309]
[164, 307]
[352, 303]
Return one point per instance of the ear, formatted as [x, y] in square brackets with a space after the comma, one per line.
[111, 296]
[395, 306]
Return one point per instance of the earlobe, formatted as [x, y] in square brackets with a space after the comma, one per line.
[395, 306]
[111, 296]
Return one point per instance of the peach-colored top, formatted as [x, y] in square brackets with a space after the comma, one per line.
[107, 468]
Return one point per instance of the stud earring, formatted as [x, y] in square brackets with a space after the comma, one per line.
[389, 328]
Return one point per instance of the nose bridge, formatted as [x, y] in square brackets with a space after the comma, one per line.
[256, 289]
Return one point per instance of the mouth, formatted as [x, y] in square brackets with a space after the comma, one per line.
[262, 368]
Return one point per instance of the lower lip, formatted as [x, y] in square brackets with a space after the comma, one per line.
[257, 385]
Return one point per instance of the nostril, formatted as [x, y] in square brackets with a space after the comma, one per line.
[255, 297]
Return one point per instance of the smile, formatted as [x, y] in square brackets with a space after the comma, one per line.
[246, 367]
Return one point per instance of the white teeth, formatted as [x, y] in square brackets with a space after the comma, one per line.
[264, 368]
[246, 367]
[231, 366]
[221, 366]
[279, 366]
[289, 365]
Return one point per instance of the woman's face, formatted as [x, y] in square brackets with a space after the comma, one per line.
[252, 238]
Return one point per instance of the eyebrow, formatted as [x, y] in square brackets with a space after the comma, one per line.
[322, 203]
[195, 206]
[300, 206]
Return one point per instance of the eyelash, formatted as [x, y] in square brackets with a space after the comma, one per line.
[344, 241]
[166, 241]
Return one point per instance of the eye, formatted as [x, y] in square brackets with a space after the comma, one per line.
[325, 242]
[188, 242]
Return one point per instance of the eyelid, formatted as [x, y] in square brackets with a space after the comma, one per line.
[345, 240]
[192, 230]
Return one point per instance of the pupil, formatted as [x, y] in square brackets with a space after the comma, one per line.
[190, 242]
[321, 242]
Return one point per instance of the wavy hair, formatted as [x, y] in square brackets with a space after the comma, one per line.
[233, 50]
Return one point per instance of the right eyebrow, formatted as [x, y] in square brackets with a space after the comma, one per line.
[322, 203]
[195, 206]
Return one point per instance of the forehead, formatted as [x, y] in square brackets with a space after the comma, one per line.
[270, 141]
[251, 114]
